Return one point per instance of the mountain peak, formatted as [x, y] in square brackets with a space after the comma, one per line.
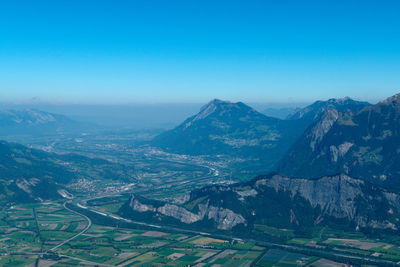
[314, 111]
[209, 108]
[223, 127]
[395, 99]
[340, 101]
[33, 121]
[220, 106]
[215, 103]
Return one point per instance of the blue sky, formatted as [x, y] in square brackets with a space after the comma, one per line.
[147, 51]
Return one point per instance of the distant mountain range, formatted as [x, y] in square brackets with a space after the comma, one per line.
[363, 144]
[32, 122]
[237, 130]
[278, 201]
[314, 111]
[342, 171]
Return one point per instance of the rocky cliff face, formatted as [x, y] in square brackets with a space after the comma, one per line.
[224, 218]
[323, 126]
[340, 197]
[280, 201]
[334, 195]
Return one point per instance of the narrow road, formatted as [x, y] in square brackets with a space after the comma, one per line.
[85, 261]
[78, 234]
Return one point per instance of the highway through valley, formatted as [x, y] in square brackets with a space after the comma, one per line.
[308, 251]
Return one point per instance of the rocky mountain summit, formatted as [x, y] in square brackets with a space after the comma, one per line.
[234, 129]
[363, 144]
[314, 111]
[223, 124]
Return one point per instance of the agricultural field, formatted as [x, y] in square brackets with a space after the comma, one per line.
[130, 247]
[27, 231]
[384, 247]
[277, 257]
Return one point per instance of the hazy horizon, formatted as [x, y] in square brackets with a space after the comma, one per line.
[135, 115]
[148, 115]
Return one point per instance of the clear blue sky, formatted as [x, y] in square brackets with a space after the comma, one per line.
[192, 51]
